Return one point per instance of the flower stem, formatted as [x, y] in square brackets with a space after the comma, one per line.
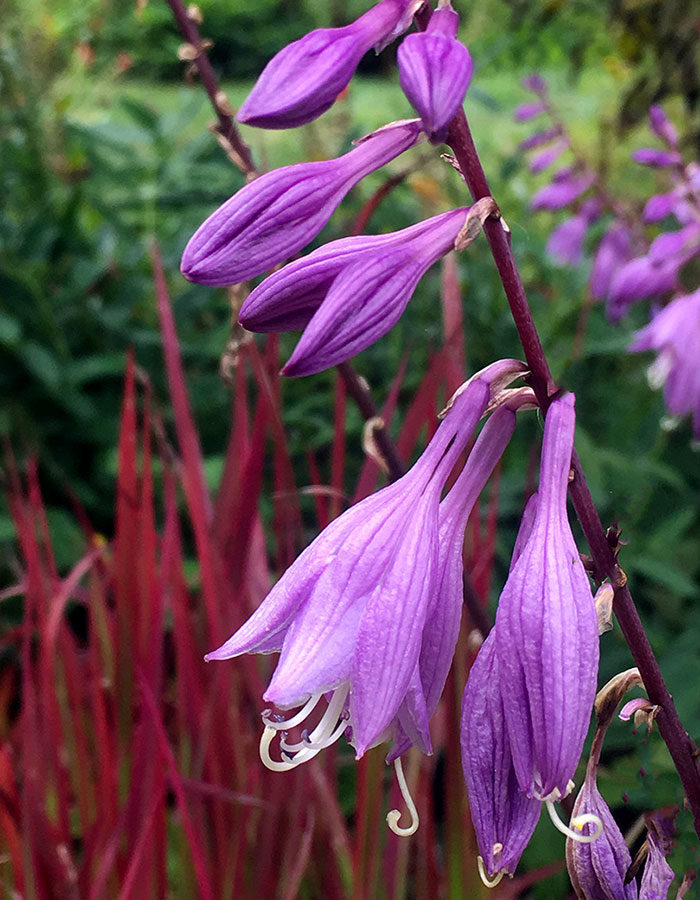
[682, 749]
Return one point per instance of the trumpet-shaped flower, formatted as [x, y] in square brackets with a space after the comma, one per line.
[445, 612]
[348, 293]
[276, 215]
[504, 817]
[303, 80]
[674, 333]
[547, 631]
[435, 70]
[658, 874]
[349, 615]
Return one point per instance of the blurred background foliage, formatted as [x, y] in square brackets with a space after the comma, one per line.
[104, 144]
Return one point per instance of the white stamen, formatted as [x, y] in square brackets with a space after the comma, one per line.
[392, 817]
[489, 882]
[297, 718]
[577, 823]
[328, 730]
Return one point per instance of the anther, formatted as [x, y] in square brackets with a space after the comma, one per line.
[577, 824]
[392, 817]
[489, 882]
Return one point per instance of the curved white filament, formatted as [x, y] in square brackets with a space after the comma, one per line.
[392, 817]
[577, 823]
[328, 730]
[489, 882]
[296, 719]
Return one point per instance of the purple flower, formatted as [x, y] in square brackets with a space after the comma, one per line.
[527, 111]
[445, 612]
[659, 206]
[546, 157]
[303, 80]
[276, 215]
[349, 615]
[534, 83]
[658, 875]
[639, 278]
[681, 244]
[538, 139]
[674, 333]
[597, 869]
[565, 244]
[613, 252]
[504, 817]
[547, 631]
[661, 126]
[350, 292]
[657, 159]
[564, 189]
[435, 70]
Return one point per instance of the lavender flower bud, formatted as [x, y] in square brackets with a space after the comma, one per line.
[276, 215]
[348, 293]
[639, 278]
[534, 83]
[661, 126]
[659, 206]
[527, 111]
[597, 869]
[614, 251]
[545, 158]
[504, 817]
[547, 631]
[303, 80]
[538, 139]
[435, 70]
[564, 189]
[657, 159]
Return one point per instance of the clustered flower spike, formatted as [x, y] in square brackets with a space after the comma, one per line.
[435, 70]
[349, 615]
[348, 293]
[303, 80]
[273, 217]
[547, 631]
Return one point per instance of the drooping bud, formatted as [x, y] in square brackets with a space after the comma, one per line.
[661, 126]
[547, 631]
[565, 244]
[613, 252]
[435, 70]
[303, 80]
[527, 111]
[504, 817]
[273, 217]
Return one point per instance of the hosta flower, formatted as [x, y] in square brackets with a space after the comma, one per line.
[546, 157]
[658, 875]
[435, 70]
[674, 333]
[303, 80]
[657, 159]
[597, 868]
[547, 631]
[504, 817]
[527, 111]
[566, 187]
[348, 293]
[639, 278]
[565, 244]
[539, 138]
[613, 252]
[661, 126]
[349, 615]
[445, 612]
[276, 215]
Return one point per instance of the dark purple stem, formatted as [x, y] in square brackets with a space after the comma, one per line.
[682, 749]
[226, 127]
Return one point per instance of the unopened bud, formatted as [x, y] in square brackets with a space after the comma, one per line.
[609, 697]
